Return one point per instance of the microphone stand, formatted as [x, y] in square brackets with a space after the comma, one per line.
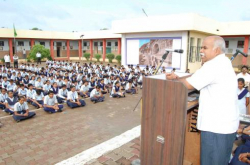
[234, 55]
[157, 69]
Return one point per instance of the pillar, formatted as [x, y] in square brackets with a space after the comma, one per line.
[246, 43]
[11, 49]
[119, 46]
[32, 43]
[91, 49]
[80, 49]
[104, 50]
[52, 49]
[68, 50]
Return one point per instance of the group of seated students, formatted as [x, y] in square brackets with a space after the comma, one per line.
[64, 82]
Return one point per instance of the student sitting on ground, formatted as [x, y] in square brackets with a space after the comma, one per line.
[129, 87]
[21, 110]
[3, 97]
[38, 98]
[11, 85]
[46, 87]
[92, 84]
[51, 104]
[243, 97]
[63, 92]
[84, 91]
[5, 82]
[22, 91]
[104, 90]
[96, 95]
[39, 84]
[55, 90]
[10, 102]
[116, 91]
[30, 93]
[72, 100]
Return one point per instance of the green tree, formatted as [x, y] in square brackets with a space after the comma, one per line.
[110, 56]
[39, 48]
[87, 56]
[118, 58]
[98, 57]
[35, 28]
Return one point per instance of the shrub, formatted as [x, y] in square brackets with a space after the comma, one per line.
[2, 60]
[118, 58]
[39, 48]
[87, 56]
[110, 56]
[98, 56]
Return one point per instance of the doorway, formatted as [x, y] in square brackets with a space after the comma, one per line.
[13, 50]
[58, 52]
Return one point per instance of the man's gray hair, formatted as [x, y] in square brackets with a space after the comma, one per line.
[219, 42]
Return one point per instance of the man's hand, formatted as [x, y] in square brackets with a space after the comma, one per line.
[171, 76]
[243, 157]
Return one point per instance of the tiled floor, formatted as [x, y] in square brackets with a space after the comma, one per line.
[51, 138]
[124, 155]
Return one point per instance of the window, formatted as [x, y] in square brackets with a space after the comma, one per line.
[1, 43]
[227, 44]
[116, 43]
[101, 44]
[95, 43]
[198, 57]
[108, 43]
[29, 43]
[42, 43]
[240, 44]
[85, 44]
[58, 44]
[192, 51]
[20, 43]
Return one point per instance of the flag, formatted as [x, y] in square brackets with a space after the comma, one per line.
[15, 34]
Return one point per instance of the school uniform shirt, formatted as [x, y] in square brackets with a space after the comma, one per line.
[5, 83]
[38, 84]
[94, 93]
[62, 93]
[218, 107]
[11, 99]
[38, 97]
[10, 87]
[22, 92]
[72, 96]
[30, 93]
[33, 82]
[18, 107]
[50, 101]
[242, 102]
[3, 97]
[84, 88]
[7, 58]
[116, 89]
[128, 86]
[46, 87]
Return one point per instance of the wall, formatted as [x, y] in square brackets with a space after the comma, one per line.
[193, 66]
[182, 34]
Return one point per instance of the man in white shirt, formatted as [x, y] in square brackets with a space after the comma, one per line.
[38, 56]
[21, 110]
[244, 75]
[218, 116]
[7, 60]
[51, 104]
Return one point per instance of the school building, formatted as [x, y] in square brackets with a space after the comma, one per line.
[187, 31]
[62, 45]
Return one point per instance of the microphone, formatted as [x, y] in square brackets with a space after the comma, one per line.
[242, 53]
[174, 50]
[236, 53]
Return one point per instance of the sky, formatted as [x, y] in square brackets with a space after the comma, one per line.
[90, 15]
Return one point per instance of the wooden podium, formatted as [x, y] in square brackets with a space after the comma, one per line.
[169, 135]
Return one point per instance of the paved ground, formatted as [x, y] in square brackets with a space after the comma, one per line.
[51, 138]
[120, 156]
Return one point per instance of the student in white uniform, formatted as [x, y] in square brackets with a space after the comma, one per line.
[218, 116]
[243, 97]
[22, 91]
[3, 97]
[244, 74]
[30, 93]
[84, 91]
[116, 91]
[63, 92]
[10, 102]
[96, 95]
[38, 98]
[50, 103]
[7, 60]
[21, 110]
[72, 99]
